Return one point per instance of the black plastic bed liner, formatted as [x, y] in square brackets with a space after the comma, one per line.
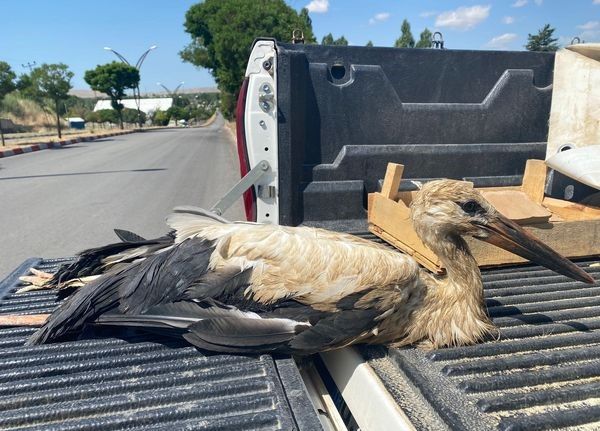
[543, 373]
[138, 382]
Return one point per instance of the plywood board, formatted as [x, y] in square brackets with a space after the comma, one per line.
[517, 206]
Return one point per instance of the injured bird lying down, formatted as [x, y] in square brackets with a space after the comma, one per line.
[248, 288]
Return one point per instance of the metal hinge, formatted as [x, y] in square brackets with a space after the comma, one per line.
[236, 192]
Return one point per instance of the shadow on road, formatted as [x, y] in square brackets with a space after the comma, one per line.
[82, 173]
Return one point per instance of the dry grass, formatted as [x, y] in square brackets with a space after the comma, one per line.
[27, 113]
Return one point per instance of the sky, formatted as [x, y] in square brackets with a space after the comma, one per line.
[75, 32]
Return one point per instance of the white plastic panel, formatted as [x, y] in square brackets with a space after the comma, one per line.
[260, 119]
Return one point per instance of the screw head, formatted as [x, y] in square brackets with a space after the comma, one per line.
[267, 64]
[266, 88]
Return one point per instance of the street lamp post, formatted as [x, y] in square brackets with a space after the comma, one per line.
[137, 97]
[173, 94]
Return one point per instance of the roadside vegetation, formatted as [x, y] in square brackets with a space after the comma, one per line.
[38, 102]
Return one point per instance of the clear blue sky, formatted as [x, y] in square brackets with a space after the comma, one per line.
[74, 32]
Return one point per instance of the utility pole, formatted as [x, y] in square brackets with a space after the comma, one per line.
[136, 91]
[29, 65]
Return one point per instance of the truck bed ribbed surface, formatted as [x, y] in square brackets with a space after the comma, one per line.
[139, 382]
[543, 372]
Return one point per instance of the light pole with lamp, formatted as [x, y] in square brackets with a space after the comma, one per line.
[173, 94]
[137, 97]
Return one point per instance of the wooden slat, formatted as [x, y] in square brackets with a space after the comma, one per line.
[391, 182]
[534, 180]
[571, 210]
[517, 206]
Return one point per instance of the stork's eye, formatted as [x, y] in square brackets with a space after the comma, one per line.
[471, 207]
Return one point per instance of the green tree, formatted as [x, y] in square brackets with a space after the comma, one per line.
[27, 88]
[327, 39]
[108, 116]
[222, 33]
[131, 116]
[306, 20]
[113, 79]
[341, 41]
[424, 39]
[369, 43]
[543, 40]
[7, 84]
[92, 117]
[53, 82]
[406, 38]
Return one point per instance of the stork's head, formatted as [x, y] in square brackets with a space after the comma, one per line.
[446, 208]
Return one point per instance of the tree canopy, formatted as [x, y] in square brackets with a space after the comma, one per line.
[424, 39]
[543, 40]
[113, 79]
[406, 39]
[7, 79]
[223, 31]
[53, 81]
[7, 84]
[329, 40]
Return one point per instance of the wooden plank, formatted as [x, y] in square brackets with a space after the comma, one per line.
[571, 239]
[423, 260]
[534, 180]
[394, 218]
[571, 211]
[573, 230]
[517, 206]
[391, 182]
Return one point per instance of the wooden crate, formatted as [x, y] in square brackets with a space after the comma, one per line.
[571, 229]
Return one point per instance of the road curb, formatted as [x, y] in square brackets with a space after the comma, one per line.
[57, 144]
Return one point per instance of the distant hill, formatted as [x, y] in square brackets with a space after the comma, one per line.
[89, 94]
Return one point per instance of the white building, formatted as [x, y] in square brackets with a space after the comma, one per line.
[146, 105]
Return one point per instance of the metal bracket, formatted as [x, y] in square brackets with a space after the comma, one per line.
[236, 192]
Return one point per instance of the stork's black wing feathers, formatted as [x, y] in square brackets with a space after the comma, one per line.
[128, 236]
[90, 261]
[246, 332]
[335, 330]
[166, 276]
[222, 285]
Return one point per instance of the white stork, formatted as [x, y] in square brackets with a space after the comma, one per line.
[245, 287]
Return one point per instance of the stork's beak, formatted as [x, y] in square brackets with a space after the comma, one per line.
[506, 234]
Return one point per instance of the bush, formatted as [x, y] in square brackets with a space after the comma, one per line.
[107, 116]
[160, 118]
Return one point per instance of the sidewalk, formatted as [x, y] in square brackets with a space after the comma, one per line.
[13, 150]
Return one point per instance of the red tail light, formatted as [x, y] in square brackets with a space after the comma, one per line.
[250, 194]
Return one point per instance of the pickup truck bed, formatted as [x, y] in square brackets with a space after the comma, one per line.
[137, 381]
[543, 373]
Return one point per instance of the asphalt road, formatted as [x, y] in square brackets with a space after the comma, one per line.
[54, 203]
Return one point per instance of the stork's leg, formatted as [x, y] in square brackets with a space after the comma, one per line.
[37, 280]
[41, 280]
